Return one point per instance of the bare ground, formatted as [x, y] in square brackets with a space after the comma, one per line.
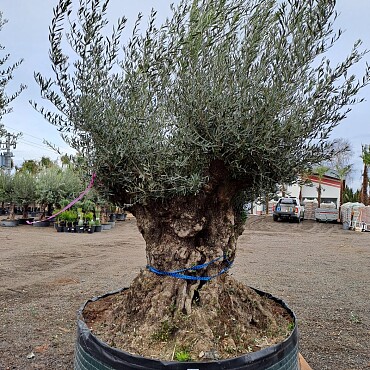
[320, 270]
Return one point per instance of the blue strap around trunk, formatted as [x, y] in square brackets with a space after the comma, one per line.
[179, 273]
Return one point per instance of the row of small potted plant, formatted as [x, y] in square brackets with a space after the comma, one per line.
[79, 221]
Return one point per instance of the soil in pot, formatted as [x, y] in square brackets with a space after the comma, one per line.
[235, 322]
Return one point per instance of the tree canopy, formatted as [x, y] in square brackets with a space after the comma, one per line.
[225, 97]
[243, 84]
[6, 75]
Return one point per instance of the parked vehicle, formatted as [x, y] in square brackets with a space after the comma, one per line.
[289, 209]
[326, 214]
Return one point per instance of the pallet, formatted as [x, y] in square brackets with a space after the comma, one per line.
[303, 365]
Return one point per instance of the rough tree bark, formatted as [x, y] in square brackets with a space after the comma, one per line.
[365, 184]
[201, 315]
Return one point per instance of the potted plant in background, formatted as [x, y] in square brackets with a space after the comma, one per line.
[223, 102]
[53, 186]
[98, 225]
[70, 218]
[80, 221]
[89, 222]
[7, 195]
[91, 227]
[120, 214]
[60, 224]
[24, 192]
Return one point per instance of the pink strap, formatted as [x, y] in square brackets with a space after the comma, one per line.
[70, 204]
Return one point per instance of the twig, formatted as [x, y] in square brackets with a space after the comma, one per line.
[17, 291]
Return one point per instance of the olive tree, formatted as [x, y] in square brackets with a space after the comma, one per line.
[188, 120]
[24, 190]
[7, 192]
[6, 75]
[53, 185]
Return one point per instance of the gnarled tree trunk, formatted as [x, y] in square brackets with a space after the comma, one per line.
[364, 198]
[159, 312]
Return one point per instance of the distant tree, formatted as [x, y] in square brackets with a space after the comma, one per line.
[6, 75]
[7, 192]
[46, 162]
[343, 173]
[29, 166]
[24, 190]
[320, 171]
[54, 184]
[364, 197]
[65, 159]
[224, 100]
[350, 196]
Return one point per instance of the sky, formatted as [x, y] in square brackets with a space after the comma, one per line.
[26, 36]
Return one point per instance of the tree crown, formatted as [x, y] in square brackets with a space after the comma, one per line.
[236, 89]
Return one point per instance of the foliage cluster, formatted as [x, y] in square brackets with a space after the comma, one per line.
[242, 83]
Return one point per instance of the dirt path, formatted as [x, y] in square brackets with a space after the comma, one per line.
[320, 270]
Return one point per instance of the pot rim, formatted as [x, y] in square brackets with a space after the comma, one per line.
[102, 351]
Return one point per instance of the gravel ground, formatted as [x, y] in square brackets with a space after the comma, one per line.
[320, 270]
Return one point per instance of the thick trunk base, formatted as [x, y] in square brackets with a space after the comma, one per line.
[227, 319]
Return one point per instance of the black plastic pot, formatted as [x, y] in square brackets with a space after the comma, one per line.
[121, 216]
[9, 223]
[91, 229]
[80, 229]
[92, 353]
[24, 221]
[41, 224]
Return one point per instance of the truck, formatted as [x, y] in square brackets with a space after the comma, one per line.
[288, 208]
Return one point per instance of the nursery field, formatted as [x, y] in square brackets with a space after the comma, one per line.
[320, 270]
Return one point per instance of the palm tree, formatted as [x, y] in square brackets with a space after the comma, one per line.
[320, 172]
[364, 196]
[350, 196]
[343, 172]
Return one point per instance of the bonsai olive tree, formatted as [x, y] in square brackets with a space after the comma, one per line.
[7, 192]
[54, 184]
[24, 190]
[187, 121]
[6, 75]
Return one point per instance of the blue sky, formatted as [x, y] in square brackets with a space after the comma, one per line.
[26, 36]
